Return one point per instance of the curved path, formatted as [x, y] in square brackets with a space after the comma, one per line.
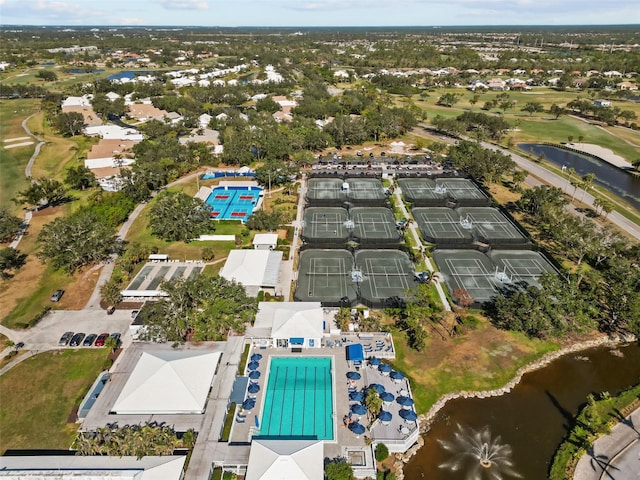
[614, 456]
[556, 180]
[27, 173]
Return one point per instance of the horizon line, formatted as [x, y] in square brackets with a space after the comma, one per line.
[323, 26]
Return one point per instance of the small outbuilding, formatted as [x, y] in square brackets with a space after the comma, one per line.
[289, 324]
[265, 241]
[255, 269]
[286, 459]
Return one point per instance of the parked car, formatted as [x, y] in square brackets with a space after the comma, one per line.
[110, 309]
[101, 339]
[76, 340]
[64, 339]
[88, 341]
[116, 336]
[57, 295]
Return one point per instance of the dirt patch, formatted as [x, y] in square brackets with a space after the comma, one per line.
[79, 291]
[48, 211]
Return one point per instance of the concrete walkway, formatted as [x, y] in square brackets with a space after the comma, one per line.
[413, 229]
[614, 456]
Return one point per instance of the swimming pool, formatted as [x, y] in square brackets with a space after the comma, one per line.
[233, 203]
[299, 398]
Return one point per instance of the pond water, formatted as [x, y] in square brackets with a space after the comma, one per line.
[531, 420]
[130, 74]
[615, 180]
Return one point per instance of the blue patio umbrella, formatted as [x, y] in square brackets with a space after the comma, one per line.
[385, 416]
[409, 415]
[387, 397]
[253, 365]
[248, 404]
[256, 421]
[255, 357]
[354, 376]
[396, 375]
[356, 396]
[375, 361]
[254, 375]
[253, 388]
[405, 401]
[357, 428]
[385, 368]
[377, 387]
[358, 409]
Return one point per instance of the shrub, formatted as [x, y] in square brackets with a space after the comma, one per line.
[382, 452]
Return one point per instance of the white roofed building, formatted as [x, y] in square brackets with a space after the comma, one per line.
[265, 241]
[285, 324]
[286, 459]
[255, 269]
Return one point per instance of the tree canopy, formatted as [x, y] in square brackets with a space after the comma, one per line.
[176, 216]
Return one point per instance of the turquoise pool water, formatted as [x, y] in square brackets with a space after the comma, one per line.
[299, 398]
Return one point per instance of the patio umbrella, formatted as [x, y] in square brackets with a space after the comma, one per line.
[253, 365]
[385, 368]
[405, 401]
[254, 375]
[385, 416]
[356, 396]
[357, 428]
[396, 375]
[409, 415]
[248, 404]
[253, 388]
[375, 361]
[256, 421]
[358, 409]
[255, 357]
[354, 376]
[387, 397]
[377, 387]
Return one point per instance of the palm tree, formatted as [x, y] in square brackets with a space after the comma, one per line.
[373, 402]
[570, 172]
[587, 182]
[518, 177]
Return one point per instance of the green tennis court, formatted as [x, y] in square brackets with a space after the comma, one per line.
[365, 191]
[441, 225]
[521, 265]
[385, 274]
[325, 191]
[491, 226]
[421, 192]
[462, 191]
[325, 225]
[374, 225]
[325, 276]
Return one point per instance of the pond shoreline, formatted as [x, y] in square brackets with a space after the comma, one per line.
[427, 419]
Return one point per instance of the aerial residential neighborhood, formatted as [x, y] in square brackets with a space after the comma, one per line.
[318, 253]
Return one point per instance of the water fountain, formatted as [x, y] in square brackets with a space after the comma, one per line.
[478, 454]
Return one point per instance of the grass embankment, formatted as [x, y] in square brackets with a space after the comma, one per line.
[34, 413]
[482, 359]
[594, 420]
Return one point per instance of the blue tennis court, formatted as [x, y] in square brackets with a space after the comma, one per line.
[299, 398]
[233, 203]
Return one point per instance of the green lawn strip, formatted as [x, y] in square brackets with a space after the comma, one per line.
[228, 423]
[36, 299]
[594, 420]
[428, 384]
[34, 413]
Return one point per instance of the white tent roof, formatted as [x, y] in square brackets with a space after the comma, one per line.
[259, 268]
[168, 382]
[62, 467]
[291, 319]
[286, 460]
[265, 239]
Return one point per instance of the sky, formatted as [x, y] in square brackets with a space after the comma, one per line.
[276, 13]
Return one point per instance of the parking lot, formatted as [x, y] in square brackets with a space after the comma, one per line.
[46, 334]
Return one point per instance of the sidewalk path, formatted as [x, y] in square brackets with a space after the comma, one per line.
[27, 173]
[614, 456]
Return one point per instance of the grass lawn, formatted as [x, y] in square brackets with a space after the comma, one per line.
[482, 359]
[34, 413]
[13, 161]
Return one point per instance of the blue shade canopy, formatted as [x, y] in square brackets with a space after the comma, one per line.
[356, 396]
[405, 401]
[375, 361]
[248, 404]
[354, 375]
[253, 365]
[253, 388]
[357, 428]
[254, 374]
[377, 387]
[255, 357]
[396, 375]
[387, 397]
[385, 416]
[385, 367]
[358, 409]
[409, 415]
[355, 352]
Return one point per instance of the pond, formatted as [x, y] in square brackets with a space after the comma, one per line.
[613, 179]
[530, 421]
[131, 74]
